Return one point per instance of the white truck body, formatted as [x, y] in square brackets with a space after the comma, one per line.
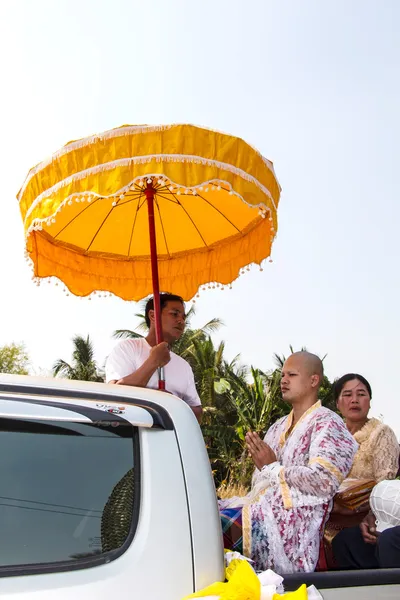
[65, 447]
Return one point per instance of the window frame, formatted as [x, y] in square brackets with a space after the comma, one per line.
[39, 395]
[96, 559]
[343, 579]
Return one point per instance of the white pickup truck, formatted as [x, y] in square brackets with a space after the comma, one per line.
[106, 492]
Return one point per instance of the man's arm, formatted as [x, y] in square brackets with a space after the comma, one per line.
[331, 455]
[330, 458]
[159, 357]
[191, 397]
[143, 374]
[198, 411]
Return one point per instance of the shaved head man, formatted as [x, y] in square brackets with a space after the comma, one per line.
[307, 361]
[302, 376]
[300, 464]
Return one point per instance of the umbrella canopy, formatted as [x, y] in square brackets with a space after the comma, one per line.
[86, 210]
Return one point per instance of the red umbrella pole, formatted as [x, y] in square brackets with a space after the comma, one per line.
[149, 191]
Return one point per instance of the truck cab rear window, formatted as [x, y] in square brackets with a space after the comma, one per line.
[67, 490]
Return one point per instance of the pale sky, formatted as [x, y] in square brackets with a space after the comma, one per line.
[314, 85]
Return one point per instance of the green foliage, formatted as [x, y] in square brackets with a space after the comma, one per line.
[239, 400]
[235, 398]
[83, 367]
[14, 359]
[184, 346]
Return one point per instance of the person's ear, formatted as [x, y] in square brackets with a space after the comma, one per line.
[151, 316]
[314, 380]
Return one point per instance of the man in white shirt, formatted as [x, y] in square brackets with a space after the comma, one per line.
[136, 361]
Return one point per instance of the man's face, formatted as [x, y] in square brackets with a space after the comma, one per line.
[296, 381]
[173, 321]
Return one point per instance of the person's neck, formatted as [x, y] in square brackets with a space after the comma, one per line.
[151, 338]
[354, 426]
[302, 406]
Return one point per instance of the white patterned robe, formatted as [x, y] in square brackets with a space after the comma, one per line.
[284, 514]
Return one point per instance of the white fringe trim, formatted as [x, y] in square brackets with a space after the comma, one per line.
[119, 132]
[102, 293]
[92, 139]
[37, 224]
[146, 159]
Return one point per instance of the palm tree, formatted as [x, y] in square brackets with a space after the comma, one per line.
[255, 401]
[83, 366]
[207, 362]
[254, 405]
[184, 345]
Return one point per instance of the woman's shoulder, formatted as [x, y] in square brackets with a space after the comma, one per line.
[380, 429]
[374, 433]
[384, 447]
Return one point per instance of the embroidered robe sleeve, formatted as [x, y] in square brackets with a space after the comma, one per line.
[330, 457]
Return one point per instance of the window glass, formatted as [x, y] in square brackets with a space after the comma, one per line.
[66, 490]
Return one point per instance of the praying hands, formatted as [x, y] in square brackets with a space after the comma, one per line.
[260, 452]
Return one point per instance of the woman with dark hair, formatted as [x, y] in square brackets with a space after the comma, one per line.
[377, 457]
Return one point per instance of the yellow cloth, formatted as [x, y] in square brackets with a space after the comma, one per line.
[85, 213]
[300, 594]
[242, 584]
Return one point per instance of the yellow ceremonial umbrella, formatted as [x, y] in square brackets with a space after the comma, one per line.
[142, 208]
